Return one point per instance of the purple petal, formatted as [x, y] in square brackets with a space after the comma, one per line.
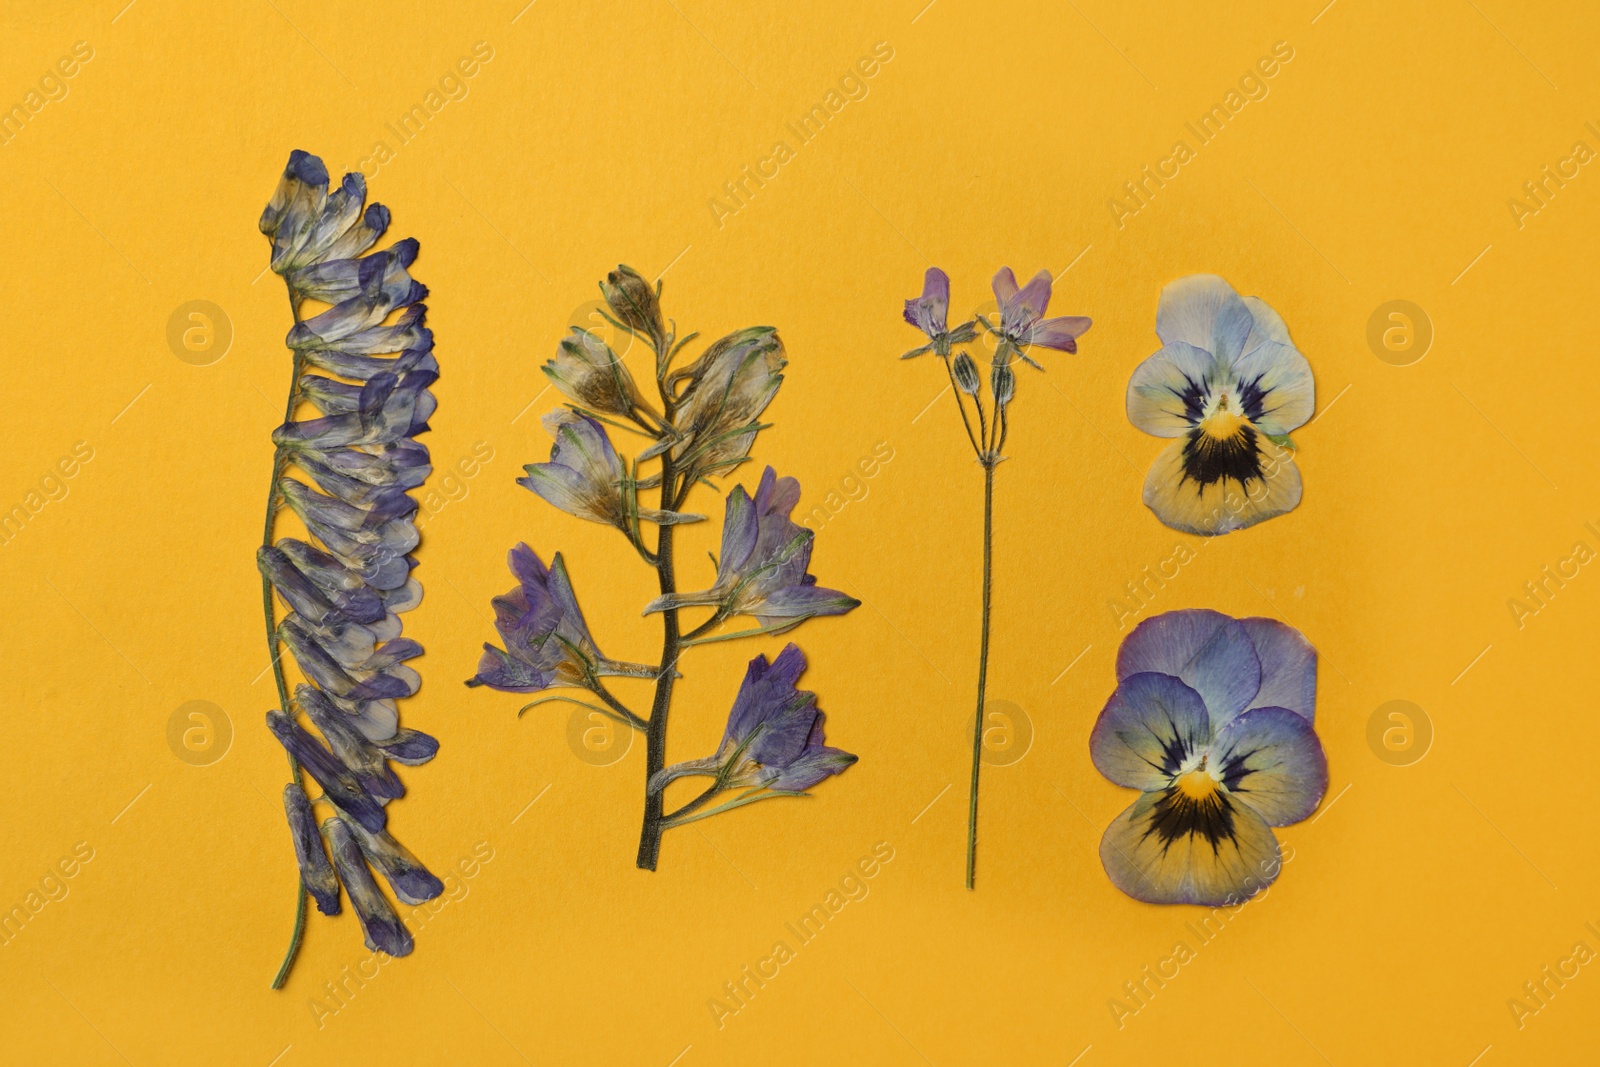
[1270, 759]
[382, 928]
[1060, 334]
[1288, 667]
[930, 311]
[1210, 652]
[1151, 725]
[1005, 287]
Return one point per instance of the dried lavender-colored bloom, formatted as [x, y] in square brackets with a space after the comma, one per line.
[774, 737]
[337, 782]
[411, 881]
[316, 873]
[585, 476]
[547, 641]
[1022, 320]
[762, 569]
[368, 763]
[729, 386]
[382, 928]
[591, 375]
[929, 313]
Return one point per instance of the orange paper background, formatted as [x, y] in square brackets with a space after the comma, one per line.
[1378, 165]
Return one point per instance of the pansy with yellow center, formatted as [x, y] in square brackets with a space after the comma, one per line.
[1229, 386]
[1212, 721]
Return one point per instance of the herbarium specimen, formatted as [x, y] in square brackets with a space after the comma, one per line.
[702, 425]
[1230, 386]
[1021, 327]
[361, 370]
[1212, 722]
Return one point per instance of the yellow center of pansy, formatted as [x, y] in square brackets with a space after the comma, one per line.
[1224, 422]
[1197, 784]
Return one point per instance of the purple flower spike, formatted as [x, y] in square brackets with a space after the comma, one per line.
[774, 737]
[1022, 320]
[762, 570]
[547, 642]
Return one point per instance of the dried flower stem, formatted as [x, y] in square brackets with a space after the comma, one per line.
[274, 499]
[656, 732]
[983, 670]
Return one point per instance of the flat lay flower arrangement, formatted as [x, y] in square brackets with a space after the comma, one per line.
[363, 366]
[1212, 717]
[701, 424]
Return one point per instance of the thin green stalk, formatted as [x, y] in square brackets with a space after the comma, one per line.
[279, 463]
[656, 732]
[983, 670]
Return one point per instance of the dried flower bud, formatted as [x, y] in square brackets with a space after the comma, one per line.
[966, 374]
[1004, 383]
[592, 376]
[633, 301]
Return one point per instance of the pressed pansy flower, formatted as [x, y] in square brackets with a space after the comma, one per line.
[774, 737]
[585, 476]
[1022, 321]
[1212, 721]
[350, 439]
[930, 313]
[1228, 386]
[547, 641]
[762, 569]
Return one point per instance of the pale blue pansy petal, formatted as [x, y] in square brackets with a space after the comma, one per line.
[1210, 652]
[1168, 392]
[1151, 725]
[1288, 667]
[1270, 759]
[1267, 325]
[1204, 311]
[1226, 505]
[1166, 850]
[1276, 388]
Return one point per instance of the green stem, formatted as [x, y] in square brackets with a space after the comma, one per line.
[983, 670]
[280, 462]
[656, 731]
